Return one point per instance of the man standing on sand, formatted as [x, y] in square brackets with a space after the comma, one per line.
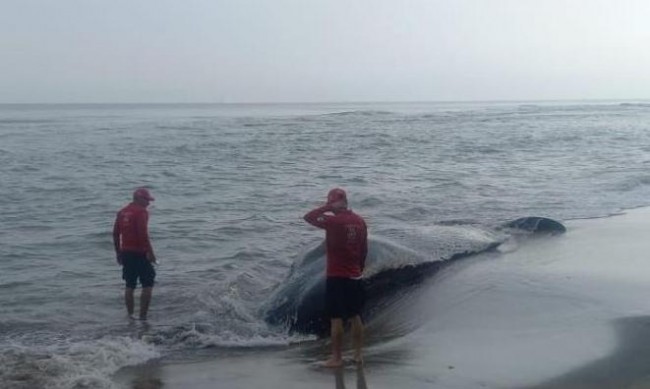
[346, 240]
[133, 250]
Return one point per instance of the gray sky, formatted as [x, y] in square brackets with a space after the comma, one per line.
[322, 50]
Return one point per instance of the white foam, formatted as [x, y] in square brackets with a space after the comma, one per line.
[232, 339]
[436, 243]
[82, 364]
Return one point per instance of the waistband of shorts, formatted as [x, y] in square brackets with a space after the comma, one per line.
[134, 254]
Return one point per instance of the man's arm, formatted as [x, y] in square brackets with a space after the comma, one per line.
[116, 238]
[364, 246]
[143, 231]
[317, 217]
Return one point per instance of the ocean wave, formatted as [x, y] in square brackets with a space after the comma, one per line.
[255, 125]
[21, 169]
[364, 113]
[632, 184]
[413, 213]
[27, 121]
[181, 128]
[71, 364]
[370, 201]
[13, 285]
[197, 336]
[635, 105]
[529, 106]
[245, 254]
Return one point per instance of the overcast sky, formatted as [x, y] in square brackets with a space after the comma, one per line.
[322, 50]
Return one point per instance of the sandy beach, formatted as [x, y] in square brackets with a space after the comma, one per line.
[566, 311]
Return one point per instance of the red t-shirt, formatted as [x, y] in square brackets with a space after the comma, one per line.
[346, 239]
[130, 229]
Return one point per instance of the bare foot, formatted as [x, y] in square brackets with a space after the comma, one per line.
[332, 363]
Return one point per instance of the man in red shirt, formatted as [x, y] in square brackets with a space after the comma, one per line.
[133, 250]
[346, 240]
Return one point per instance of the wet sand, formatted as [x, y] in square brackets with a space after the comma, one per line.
[570, 311]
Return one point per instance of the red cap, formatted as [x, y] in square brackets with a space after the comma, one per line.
[143, 193]
[336, 194]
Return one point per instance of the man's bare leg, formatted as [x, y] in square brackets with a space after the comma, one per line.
[128, 301]
[145, 299]
[336, 359]
[361, 378]
[357, 338]
[339, 379]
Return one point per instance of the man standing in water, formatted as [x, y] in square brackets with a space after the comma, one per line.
[346, 240]
[133, 250]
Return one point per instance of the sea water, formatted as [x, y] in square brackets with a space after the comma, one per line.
[232, 183]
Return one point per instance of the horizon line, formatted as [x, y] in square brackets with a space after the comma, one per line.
[331, 102]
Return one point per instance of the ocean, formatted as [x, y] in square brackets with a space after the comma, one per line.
[232, 182]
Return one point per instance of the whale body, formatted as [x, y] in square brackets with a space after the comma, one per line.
[299, 301]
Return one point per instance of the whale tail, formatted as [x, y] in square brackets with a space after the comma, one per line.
[537, 224]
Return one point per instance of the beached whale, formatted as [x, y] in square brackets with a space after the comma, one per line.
[298, 302]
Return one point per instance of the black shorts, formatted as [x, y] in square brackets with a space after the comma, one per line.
[344, 297]
[134, 266]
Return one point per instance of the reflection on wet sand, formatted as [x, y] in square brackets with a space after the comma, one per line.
[149, 377]
[626, 367]
[339, 378]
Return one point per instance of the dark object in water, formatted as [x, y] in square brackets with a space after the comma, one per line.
[537, 224]
[299, 302]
